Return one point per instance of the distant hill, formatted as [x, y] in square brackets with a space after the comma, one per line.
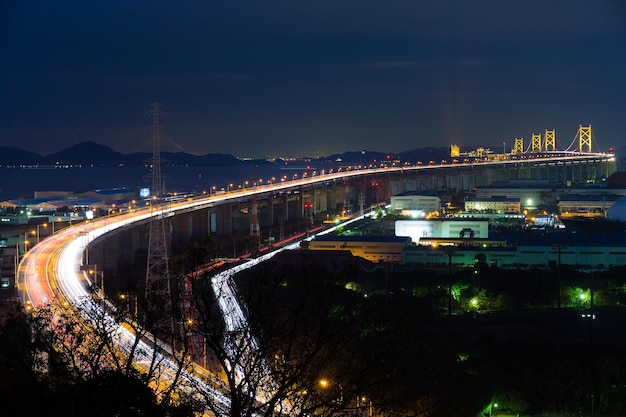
[368, 157]
[87, 153]
[94, 154]
[10, 155]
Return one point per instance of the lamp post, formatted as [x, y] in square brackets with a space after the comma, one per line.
[325, 383]
[131, 303]
[364, 403]
[92, 270]
[26, 242]
[38, 235]
[491, 407]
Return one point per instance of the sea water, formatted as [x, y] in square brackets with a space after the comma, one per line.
[16, 183]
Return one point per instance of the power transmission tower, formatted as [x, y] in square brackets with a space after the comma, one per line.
[158, 293]
[361, 202]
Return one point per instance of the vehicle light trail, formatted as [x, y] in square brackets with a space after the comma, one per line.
[51, 271]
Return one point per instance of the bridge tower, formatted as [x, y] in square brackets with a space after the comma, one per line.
[535, 142]
[157, 291]
[584, 138]
[518, 147]
[550, 140]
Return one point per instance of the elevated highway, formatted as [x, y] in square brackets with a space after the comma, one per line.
[51, 272]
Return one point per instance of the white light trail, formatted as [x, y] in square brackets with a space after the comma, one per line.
[56, 261]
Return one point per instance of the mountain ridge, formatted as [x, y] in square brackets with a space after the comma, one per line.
[94, 154]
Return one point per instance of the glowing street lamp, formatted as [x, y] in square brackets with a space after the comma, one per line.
[491, 407]
[325, 383]
[26, 242]
[93, 271]
[38, 226]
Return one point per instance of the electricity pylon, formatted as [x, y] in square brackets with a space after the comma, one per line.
[158, 292]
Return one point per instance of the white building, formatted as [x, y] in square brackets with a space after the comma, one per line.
[416, 205]
[416, 229]
[493, 205]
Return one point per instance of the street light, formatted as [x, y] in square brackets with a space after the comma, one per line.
[55, 219]
[92, 270]
[38, 226]
[492, 406]
[127, 298]
[325, 383]
[364, 403]
[26, 242]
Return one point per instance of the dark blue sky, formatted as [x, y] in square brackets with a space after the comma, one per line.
[287, 77]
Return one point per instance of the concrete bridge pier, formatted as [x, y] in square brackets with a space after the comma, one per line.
[119, 257]
[224, 219]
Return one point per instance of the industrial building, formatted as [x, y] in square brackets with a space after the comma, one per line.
[587, 205]
[530, 249]
[493, 205]
[372, 248]
[444, 228]
[416, 204]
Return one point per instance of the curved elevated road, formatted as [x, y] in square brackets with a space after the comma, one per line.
[50, 273]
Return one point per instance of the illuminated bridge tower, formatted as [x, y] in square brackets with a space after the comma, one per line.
[584, 138]
[535, 142]
[519, 146]
[550, 140]
[157, 291]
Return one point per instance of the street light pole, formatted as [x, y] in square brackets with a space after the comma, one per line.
[38, 235]
[325, 383]
[92, 270]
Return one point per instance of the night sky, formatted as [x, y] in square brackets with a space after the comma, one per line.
[293, 78]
